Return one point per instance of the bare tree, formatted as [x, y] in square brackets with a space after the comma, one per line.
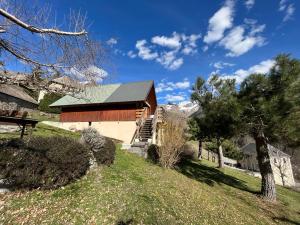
[280, 162]
[172, 140]
[33, 36]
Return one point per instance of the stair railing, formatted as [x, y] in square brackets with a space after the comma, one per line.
[139, 124]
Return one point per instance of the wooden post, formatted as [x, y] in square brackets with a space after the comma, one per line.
[23, 130]
[31, 130]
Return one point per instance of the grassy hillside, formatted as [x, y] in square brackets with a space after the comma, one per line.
[133, 191]
[42, 130]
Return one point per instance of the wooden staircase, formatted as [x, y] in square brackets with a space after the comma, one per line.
[143, 139]
[146, 130]
[144, 135]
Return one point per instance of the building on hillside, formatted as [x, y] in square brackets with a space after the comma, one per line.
[62, 84]
[15, 96]
[115, 110]
[280, 162]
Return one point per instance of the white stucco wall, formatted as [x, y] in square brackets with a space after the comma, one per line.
[282, 168]
[121, 130]
[283, 172]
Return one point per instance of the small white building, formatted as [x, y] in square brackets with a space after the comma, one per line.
[280, 163]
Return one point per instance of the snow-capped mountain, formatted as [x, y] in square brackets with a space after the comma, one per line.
[186, 107]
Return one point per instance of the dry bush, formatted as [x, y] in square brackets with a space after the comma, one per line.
[172, 140]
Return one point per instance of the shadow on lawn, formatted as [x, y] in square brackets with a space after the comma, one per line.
[210, 175]
[283, 219]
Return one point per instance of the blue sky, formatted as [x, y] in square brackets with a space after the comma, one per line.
[173, 42]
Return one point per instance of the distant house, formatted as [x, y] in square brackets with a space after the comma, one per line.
[112, 109]
[15, 95]
[280, 162]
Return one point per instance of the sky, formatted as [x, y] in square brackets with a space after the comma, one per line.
[174, 41]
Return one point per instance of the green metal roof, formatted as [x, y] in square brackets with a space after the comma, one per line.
[112, 93]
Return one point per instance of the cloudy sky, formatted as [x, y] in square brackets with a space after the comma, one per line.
[174, 41]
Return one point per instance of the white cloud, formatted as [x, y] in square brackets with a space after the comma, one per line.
[111, 42]
[282, 5]
[145, 52]
[172, 42]
[219, 22]
[238, 43]
[174, 98]
[92, 73]
[169, 60]
[249, 3]
[205, 48]
[164, 86]
[240, 75]
[131, 54]
[287, 8]
[167, 51]
[221, 65]
[190, 45]
[289, 12]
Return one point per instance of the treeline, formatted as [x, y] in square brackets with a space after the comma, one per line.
[264, 106]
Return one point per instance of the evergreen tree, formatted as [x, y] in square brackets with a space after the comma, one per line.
[219, 111]
[271, 113]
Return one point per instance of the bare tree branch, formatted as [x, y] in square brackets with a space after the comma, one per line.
[36, 29]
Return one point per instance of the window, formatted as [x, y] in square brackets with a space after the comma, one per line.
[90, 124]
[275, 161]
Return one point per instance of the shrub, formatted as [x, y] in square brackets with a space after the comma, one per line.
[172, 140]
[230, 150]
[103, 149]
[152, 154]
[48, 99]
[43, 163]
[189, 152]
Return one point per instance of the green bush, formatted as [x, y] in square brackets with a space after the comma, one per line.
[189, 152]
[152, 154]
[48, 99]
[103, 148]
[106, 155]
[230, 150]
[43, 163]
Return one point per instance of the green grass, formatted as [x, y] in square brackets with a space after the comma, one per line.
[133, 191]
[48, 117]
[42, 130]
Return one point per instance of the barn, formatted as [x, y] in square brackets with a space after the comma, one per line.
[112, 109]
[14, 96]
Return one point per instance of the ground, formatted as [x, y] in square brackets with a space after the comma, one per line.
[133, 191]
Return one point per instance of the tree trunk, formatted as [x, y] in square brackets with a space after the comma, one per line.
[220, 155]
[200, 149]
[268, 189]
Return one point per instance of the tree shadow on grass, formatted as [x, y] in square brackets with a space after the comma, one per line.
[286, 220]
[210, 176]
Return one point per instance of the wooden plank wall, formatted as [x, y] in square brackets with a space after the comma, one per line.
[90, 114]
[114, 112]
[151, 99]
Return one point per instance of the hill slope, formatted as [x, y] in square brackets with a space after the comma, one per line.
[133, 191]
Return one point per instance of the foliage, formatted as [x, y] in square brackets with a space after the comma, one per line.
[271, 113]
[230, 150]
[137, 191]
[152, 153]
[48, 99]
[43, 162]
[220, 110]
[172, 140]
[189, 152]
[103, 149]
